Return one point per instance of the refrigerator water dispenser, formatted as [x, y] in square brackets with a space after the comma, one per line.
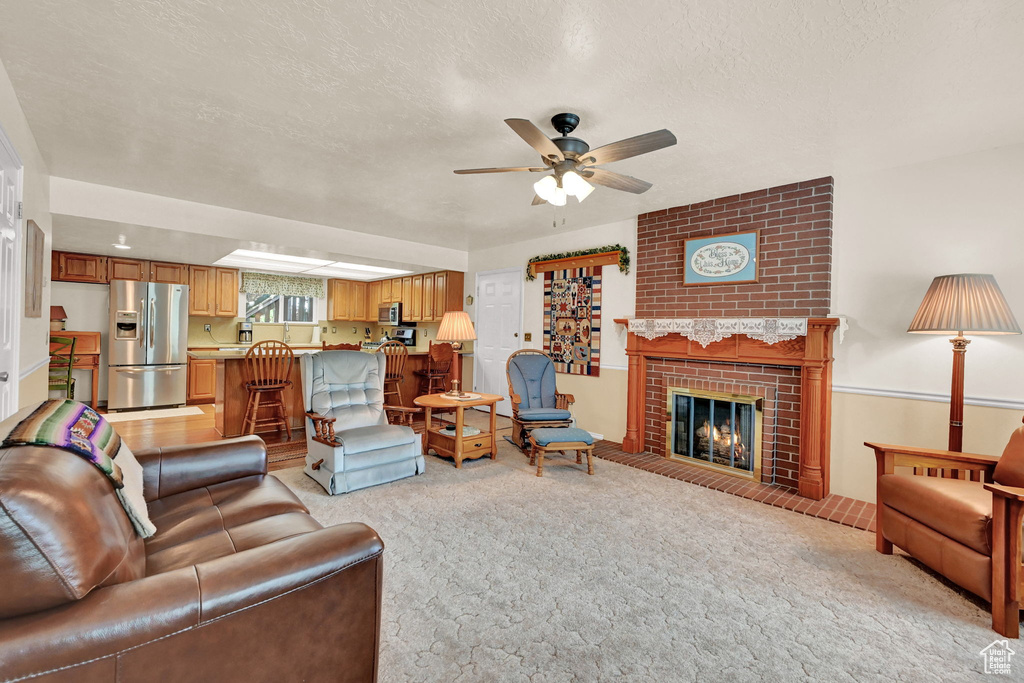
[126, 325]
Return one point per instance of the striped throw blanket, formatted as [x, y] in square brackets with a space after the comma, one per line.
[75, 427]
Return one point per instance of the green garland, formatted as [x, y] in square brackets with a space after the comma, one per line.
[623, 257]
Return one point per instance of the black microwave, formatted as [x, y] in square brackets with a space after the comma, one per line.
[389, 314]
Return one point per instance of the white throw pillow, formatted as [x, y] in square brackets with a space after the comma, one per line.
[132, 497]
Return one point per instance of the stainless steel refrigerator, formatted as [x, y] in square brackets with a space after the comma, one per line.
[147, 344]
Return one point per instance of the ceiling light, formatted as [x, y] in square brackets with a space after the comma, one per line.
[546, 188]
[302, 265]
[285, 258]
[557, 197]
[330, 271]
[120, 243]
[576, 186]
[369, 269]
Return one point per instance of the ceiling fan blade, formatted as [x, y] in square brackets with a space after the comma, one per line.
[630, 147]
[537, 201]
[502, 170]
[616, 181]
[535, 137]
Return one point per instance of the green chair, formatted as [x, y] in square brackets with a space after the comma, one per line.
[62, 359]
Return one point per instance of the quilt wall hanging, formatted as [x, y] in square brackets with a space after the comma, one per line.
[572, 320]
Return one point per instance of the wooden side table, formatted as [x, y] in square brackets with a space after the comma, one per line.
[455, 445]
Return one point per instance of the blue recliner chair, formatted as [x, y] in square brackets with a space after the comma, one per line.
[536, 402]
[350, 444]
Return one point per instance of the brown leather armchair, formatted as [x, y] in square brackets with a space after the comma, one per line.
[960, 514]
[239, 583]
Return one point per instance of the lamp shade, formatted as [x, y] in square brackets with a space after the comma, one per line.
[456, 327]
[57, 313]
[966, 303]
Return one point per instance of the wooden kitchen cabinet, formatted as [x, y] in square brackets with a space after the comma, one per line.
[127, 269]
[168, 273]
[226, 301]
[202, 381]
[385, 292]
[68, 267]
[428, 298]
[406, 294]
[201, 289]
[373, 300]
[414, 310]
[213, 292]
[447, 293]
[338, 294]
[357, 308]
[349, 300]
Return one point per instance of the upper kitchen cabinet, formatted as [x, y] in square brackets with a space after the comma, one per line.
[213, 292]
[168, 273]
[447, 293]
[67, 267]
[127, 269]
[226, 302]
[358, 310]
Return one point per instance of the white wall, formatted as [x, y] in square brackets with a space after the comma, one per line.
[34, 348]
[895, 230]
[600, 401]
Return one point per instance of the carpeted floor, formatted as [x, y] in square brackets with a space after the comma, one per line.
[492, 574]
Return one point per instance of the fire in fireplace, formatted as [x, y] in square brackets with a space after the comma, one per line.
[716, 430]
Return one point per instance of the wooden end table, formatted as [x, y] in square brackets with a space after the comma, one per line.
[455, 445]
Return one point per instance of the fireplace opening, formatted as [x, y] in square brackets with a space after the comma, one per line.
[716, 430]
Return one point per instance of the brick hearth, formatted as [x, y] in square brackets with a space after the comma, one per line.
[839, 509]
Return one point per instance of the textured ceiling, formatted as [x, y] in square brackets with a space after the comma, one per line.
[354, 114]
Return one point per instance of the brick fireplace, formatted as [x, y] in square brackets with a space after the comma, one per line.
[793, 377]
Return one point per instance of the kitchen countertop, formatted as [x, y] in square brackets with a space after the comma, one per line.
[227, 351]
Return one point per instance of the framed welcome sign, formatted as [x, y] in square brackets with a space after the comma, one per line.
[721, 259]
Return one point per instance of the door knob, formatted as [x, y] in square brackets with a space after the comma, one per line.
[3, 376]
[515, 334]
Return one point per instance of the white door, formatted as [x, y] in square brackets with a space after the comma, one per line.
[11, 291]
[499, 326]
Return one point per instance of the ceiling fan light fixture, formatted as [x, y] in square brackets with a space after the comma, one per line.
[546, 187]
[558, 197]
[576, 186]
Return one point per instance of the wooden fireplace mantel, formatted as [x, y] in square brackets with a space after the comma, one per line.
[811, 353]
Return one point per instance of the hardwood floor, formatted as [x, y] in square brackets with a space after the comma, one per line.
[188, 429]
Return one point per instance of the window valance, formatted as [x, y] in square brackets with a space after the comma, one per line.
[288, 285]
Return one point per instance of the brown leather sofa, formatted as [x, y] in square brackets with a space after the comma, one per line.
[960, 514]
[239, 583]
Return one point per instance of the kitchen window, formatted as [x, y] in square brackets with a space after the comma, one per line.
[279, 308]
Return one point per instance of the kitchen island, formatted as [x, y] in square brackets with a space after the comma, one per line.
[231, 397]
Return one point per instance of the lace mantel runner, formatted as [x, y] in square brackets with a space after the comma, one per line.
[704, 331]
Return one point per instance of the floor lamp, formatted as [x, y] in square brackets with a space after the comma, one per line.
[966, 303]
[456, 327]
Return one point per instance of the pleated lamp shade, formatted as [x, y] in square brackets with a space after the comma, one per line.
[456, 327]
[966, 303]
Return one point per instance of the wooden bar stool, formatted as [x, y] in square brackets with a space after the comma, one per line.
[268, 368]
[434, 379]
[395, 354]
[341, 347]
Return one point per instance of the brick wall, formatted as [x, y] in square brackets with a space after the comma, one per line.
[793, 281]
[794, 264]
[779, 386]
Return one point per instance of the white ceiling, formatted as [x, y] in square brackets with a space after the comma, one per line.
[354, 115]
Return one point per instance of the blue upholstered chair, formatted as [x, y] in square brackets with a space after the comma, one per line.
[536, 401]
[350, 444]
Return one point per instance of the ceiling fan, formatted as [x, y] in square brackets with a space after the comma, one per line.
[573, 163]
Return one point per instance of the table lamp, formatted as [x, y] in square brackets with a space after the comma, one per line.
[456, 327]
[966, 303]
[58, 319]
